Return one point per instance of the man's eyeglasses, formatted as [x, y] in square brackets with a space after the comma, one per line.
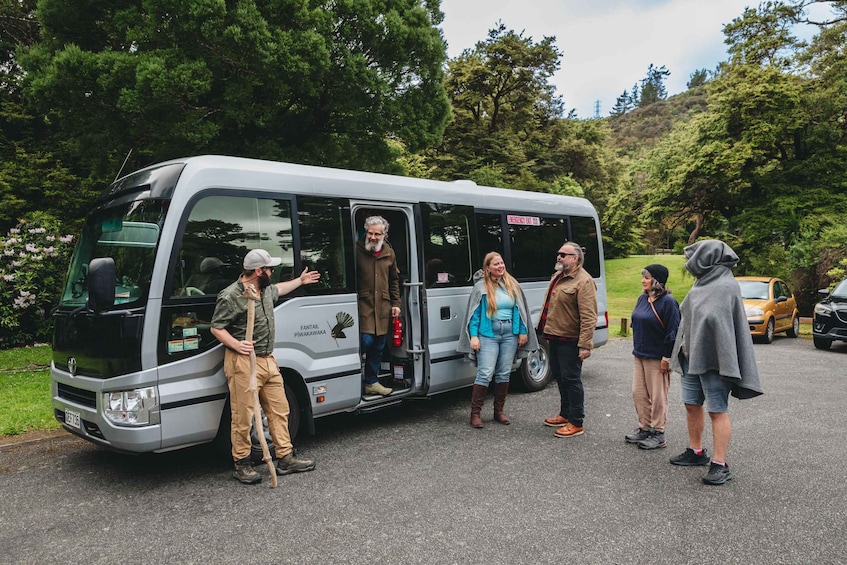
[560, 254]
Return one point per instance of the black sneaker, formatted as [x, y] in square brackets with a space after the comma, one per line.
[690, 459]
[717, 475]
[656, 440]
[291, 464]
[244, 472]
[638, 435]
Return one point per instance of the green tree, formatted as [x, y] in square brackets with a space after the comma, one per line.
[327, 84]
[623, 104]
[503, 106]
[698, 78]
[762, 36]
[653, 86]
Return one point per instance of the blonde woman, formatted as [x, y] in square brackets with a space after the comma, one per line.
[495, 330]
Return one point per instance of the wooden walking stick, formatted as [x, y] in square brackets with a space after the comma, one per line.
[252, 297]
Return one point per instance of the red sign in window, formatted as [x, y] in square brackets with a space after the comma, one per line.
[524, 220]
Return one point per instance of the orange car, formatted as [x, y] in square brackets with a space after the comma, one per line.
[770, 306]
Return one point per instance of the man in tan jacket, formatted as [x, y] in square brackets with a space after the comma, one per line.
[567, 323]
[379, 298]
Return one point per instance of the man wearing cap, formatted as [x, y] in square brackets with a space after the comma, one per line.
[229, 326]
[567, 323]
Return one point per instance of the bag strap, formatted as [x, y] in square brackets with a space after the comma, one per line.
[656, 313]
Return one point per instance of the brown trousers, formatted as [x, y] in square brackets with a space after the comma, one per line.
[271, 396]
[650, 394]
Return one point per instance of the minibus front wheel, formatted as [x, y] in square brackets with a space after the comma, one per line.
[535, 368]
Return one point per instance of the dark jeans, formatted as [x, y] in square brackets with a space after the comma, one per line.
[567, 370]
[372, 346]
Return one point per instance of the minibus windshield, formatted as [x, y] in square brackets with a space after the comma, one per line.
[128, 233]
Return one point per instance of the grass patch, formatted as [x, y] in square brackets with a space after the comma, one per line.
[25, 390]
[623, 282]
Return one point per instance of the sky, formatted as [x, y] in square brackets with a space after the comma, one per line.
[606, 45]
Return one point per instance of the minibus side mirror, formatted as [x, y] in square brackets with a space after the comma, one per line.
[101, 284]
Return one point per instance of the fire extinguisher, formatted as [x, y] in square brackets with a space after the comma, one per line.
[397, 332]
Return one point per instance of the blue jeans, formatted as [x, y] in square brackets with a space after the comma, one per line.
[372, 346]
[496, 354]
[567, 370]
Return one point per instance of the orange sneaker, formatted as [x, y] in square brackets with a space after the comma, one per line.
[556, 421]
[569, 430]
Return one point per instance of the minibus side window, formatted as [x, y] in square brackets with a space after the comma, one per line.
[218, 233]
[325, 244]
[489, 236]
[447, 245]
[534, 243]
[584, 232]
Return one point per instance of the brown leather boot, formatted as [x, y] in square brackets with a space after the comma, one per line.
[500, 392]
[477, 400]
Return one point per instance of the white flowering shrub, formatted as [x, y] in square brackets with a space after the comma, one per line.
[33, 261]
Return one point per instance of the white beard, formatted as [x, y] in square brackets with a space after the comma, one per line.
[558, 267]
[374, 247]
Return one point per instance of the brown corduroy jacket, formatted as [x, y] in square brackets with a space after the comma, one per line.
[573, 308]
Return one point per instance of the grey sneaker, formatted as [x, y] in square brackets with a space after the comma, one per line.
[690, 459]
[656, 440]
[291, 464]
[638, 435]
[717, 475]
[244, 472]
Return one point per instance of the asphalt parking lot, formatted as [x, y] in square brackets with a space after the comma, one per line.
[416, 484]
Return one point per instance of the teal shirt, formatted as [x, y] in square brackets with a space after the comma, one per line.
[480, 323]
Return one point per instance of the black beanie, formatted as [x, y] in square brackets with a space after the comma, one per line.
[658, 272]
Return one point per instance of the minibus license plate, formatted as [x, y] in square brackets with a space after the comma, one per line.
[72, 418]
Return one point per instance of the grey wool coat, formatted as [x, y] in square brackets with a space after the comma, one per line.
[713, 332]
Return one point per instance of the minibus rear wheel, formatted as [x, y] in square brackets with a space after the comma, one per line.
[535, 369]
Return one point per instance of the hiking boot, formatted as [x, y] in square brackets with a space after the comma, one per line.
[569, 430]
[655, 440]
[556, 421]
[717, 475]
[291, 464]
[244, 472]
[377, 388]
[638, 435]
[690, 459]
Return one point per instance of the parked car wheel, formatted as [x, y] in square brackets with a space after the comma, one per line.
[795, 328]
[822, 343]
[768, 337]
[535, 369]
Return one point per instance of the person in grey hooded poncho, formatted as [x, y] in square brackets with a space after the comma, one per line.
[714, 353]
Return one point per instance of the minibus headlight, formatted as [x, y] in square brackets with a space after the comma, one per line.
[137, 407]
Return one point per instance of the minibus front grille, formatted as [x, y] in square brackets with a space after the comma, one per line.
[77, 395]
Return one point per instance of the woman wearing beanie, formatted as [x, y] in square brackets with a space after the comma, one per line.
[655, 320]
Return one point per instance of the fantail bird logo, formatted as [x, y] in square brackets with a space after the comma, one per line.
[344, 320]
